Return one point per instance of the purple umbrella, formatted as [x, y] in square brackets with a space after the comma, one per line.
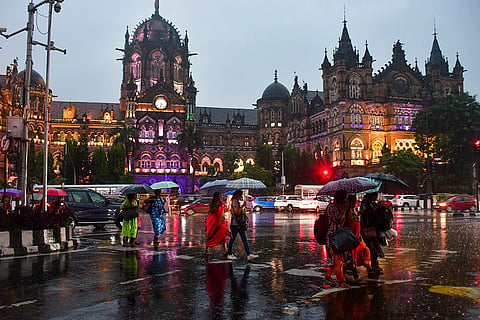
[350, 185]
[9, 192]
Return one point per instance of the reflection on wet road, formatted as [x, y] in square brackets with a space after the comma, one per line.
[432, 271]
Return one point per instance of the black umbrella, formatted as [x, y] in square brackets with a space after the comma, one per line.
[390, 183]
[136, 188]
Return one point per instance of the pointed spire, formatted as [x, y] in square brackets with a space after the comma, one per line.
[276, 77]
[416, 66]
[186, 39]
[127, 36]
[157, 6]
[436, 58]
[345, 49]
[458, 67]
[325, 64]
[367, 58]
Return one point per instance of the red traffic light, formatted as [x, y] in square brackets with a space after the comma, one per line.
[325, 172]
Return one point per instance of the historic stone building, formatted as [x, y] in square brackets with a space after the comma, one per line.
[357, 114]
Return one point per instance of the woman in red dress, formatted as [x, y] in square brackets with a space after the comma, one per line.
[216, 230]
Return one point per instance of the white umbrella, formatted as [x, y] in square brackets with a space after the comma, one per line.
[164, 185]
[246, 183]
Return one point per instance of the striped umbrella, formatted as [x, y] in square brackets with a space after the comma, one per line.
[246, 183]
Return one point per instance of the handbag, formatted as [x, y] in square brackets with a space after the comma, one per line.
[343, 240]
[242, 220]
[130, 213]
[369, 232]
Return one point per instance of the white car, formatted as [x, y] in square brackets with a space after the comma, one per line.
[288, 202]
[405, 201]
[313, 205]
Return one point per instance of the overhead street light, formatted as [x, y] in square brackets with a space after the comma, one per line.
[32, 8]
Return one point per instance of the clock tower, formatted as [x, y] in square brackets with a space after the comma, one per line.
[158, 96]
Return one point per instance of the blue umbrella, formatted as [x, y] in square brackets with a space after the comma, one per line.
[9, 192]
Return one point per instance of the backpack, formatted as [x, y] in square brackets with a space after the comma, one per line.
[320, 229]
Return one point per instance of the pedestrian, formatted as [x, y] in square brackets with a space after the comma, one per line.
[369, 230]
[157, 215]
[215, 229]
[335, 218]
[236, 227]
[352, 221]
[129, 227]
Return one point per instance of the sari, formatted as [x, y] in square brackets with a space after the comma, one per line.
[215, 229]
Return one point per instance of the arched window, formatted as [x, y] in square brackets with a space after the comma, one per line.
[355, 116]
[336, 153]
[333, 90]
[145, 162]
[175, 162]
[376, 151]
[334, 117]
[356, 149]
[160, 162]
[157, 67]
[354, 87]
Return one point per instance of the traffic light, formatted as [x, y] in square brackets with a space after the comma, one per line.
[477, 145]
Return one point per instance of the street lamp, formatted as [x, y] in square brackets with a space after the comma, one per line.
[32, 8]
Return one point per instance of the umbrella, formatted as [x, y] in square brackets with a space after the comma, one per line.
[213, 186]
[164, 185]
[9, 192]
[245, 183]
[390, 183]
[53, 192]
[136, 188]
[351, 185]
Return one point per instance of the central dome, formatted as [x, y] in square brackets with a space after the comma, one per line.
[276, 90]
[36, 79]
[157, 29]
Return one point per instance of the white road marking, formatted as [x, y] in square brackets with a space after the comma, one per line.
[19, 304]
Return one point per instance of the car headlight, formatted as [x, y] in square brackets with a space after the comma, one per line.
[442, 204]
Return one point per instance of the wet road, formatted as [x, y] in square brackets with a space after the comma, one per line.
[432, 271]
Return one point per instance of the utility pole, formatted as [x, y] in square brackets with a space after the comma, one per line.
[32, 8]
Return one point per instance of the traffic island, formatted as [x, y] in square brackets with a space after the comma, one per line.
[28, 231]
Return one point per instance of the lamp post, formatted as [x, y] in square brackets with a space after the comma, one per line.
[32, 8]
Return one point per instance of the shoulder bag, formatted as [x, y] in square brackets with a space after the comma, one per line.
[343, 240]
[130, 213]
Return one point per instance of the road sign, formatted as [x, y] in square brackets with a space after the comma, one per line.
[5, 143]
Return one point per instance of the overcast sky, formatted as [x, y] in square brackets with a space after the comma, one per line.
[240, 43]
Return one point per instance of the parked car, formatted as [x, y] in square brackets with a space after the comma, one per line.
[201, 205]
[386, 200]
[91, 208]
[457, 202]
[312, 205]
[405, 201]
[262, 202]
[287, 202]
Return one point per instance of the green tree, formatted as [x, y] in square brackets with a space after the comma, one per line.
[264, 157]
[83, 160]
[291, 165]
[99, 168]
[127, 136]
[447, 130]
[405, 165]
[116, 162]
[230, 163]
[191, 139]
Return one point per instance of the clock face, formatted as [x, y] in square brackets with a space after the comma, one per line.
[160, 103]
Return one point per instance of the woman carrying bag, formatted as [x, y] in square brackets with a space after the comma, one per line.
[129, 210]
[238, 226]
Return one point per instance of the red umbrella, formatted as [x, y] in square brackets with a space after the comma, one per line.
[54, 192]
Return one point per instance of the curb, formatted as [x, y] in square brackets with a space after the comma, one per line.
[26, 242]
